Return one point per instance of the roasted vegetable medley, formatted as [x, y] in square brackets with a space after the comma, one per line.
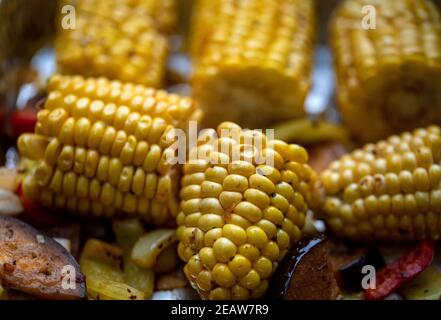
[220, 149]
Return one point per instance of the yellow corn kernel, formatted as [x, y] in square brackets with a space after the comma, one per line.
[253, 55]
[389, 74]
[128, 43]
[93, 153]
[392, 204]
[238, 218]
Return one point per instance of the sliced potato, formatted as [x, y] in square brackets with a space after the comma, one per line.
[140, 278]
[36, 264]
[427, 286]
[127, 232]
[93, 268]
[103, 289]
[104, 252]
[150, 245]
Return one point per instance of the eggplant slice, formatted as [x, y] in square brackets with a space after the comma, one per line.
[305, 273]
[36, 264]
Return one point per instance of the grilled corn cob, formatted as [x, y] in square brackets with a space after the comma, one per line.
[389, 191]
[238, 217]
[252, 59]
[390, 75]
[102, 148]
[124, 40]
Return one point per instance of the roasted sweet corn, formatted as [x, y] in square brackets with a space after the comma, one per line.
[102, 148]
[252, 59]
[388, 65]
[389, 191]
[117, 39]
[239, 216]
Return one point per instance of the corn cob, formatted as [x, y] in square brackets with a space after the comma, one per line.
[389, 191]
[252, 59]
[239, 217]
[390, 75]
[102, 148]
[124, 40]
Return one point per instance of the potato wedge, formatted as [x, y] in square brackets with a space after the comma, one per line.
[103, 289]
[150, 245]
[104, 252]
[140, 278]
[92, 268]
[427, 286]
[36, 264]
[127, 233]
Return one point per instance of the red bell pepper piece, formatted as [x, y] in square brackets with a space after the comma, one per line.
[405, 269]
[34, 214]
[23, 121]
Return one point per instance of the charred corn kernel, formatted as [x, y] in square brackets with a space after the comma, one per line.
[124, 40]
[237, 42]
[94, 150]
[395, 204]
[239, 217]
[391, 73]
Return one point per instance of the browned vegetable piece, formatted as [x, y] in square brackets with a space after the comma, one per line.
[322, 154]
[305, 273]
[36, 264]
